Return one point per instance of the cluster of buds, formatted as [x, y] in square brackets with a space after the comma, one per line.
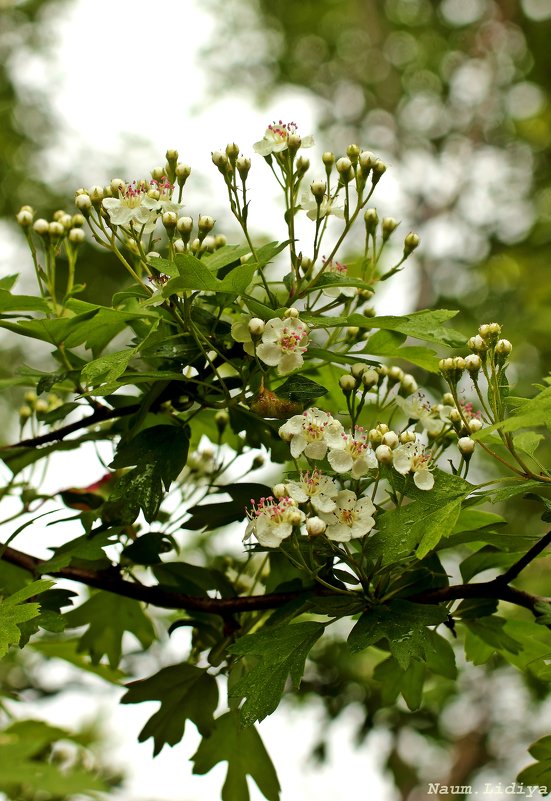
[487, 344]
[38, 406]
[62, 226]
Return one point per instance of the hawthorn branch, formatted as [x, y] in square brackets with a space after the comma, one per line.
[99, 416]
[110, 580]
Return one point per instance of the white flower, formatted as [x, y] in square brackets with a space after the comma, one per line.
[307, 433]
[276, 136]
[283, 343]
[316, 488]
[411, 457]
[241, 332]
[329, 205]
[352, 518]
[272, 521]
[433, 418]
[141, 203]
[353, 453]
[337, 268]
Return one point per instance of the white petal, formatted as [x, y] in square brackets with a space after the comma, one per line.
[338, 533]
[315, 450]
[298, 445]
[297, 492]
[289, 362]
[323, 503]
[340, 461]
[270, 354]
[423, 479]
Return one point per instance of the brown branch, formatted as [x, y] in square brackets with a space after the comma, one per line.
[99, 416]
[525, 560]
[111, 581]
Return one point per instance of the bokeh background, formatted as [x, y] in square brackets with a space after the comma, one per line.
[455, 95]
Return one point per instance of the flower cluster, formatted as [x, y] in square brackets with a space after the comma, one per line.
[278, 343]
[278, 137]
[140, 202]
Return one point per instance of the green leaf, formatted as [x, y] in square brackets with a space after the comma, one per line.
[245, 754]
[423, 523]
[185, 692]
[487, 635]
[471, 519]
[108, 368]
[300, 389]
[108, 617]
[159, 453]
[403, 625]
[26, 764]
[14, 610]
[532, 413]
[412, 684]
[9, 302]
[282, 651]
[67, 650]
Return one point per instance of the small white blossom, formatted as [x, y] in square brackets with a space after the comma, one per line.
[141, 203]
[351, 453]
[351, 519]
[327, 206]
[411, 458]
[276, 137]
[316, 488]
[283, 343]
[433, 418]
[272, 521]
[308, 432]
[336, 268]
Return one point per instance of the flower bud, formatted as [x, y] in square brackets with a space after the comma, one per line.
[503, 348]
[183, 171]
[315, 526]
[410, 243]
[294, 142]
[158, 173]
[25, 412]
[221, 419]
[243, 166]
[24, 218]
[83, 203]
[408, 385]
[367, 160]
[371, 220]
[221, 161]
[383, 454]
[395, 375]
[353, 152]
[171, 156]
[232, 152]
[452, 369]
[56, 230]
[77, 220]
[448, 399]
[76, 236]
[279, 491]
[295, 517]
[370, 378]
[96, 195]
[41, 406]
[391, 439]
[291, 312]
[466, 447]
[347, 383]
[179, 246]
[256, 327]
[407, 436]
[205, 223]
[170, 220]
[379, 169]
[302, 165]
[475, 425]
[344, 168]
[490, 332]
[328, 159]
[318, 189]
[118, 186]
[185, 225]
[375, 436]
[219, 241]
[388, 226]
[473, 363]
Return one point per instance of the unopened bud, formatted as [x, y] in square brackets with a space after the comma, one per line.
[183, 171]
[83, 202]
[96, 194]
[347, 383]
[473, 363]
[243, 165]
[407, 436]
[220, 160]
[291, 312]
[219, 241]
[383, 454]
[302, 165]
[353, 152]
[408, 385]
[367, 160]
[25, 412]
[295, 516]
[391, 439]
[466, 447]
[315, 526]
[279, 491]
[256, 327]
[171, 156]
[205, 223]
[318, 189]
[24, 218]
[410, 243]
[370, 378]
[383, 428]
[170, 220]
[490, 332]
[158, 173]
[379, 169]
[395, 375]
[375, 436]
[118, 185]
[448, 399]
[475, 425]
[388, 225]
[221, 419]
[76, 236]
[185, 225]
[294, 142]
[232, 152]
[371, 220]
[344, 168]
[328, 159]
